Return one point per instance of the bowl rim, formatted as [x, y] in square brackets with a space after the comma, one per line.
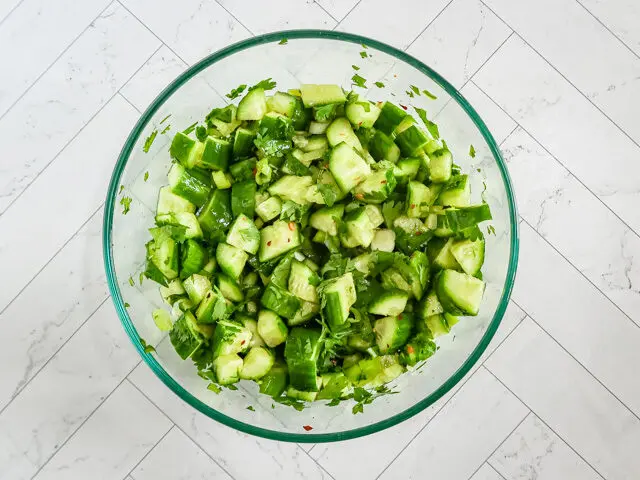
[155, 366]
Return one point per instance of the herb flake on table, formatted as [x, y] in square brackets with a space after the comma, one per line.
[149, 141]
[359, 81]
[126, 204]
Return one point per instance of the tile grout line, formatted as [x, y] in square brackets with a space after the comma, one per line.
[87, 122]
[427, 26]
[85, 420]
[325, 11]
[581, 273]
[462, 384]
[546, 424]
[66, 49]
[15, 395]
[73, 235]
[624, 132]
[486, 460]
[173, 425]
[495, 469]
[580, 363]
[13, 9]
[132, 106]
[553, 156]
[347, 14]
[176, 425]
[234, 17]
[608, 29]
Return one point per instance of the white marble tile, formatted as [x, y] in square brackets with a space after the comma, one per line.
[570, 127]
[533, 450]
[6, 7]
[579, 317]
[569, 400]
[84, 79]
[337, 8]
[479, 426]
[460, 40]
[228, 447]
[607, 252]
[56, 197]
[398, 25]
[112, 441]
[590, 57]
[177, 457]
[261, 17]
[48, 411]
[622, 17]
[486, 472]
[499, 123]
[152, 78]
[191, 28]
[31, 337]
[56, 28]
[337, 457]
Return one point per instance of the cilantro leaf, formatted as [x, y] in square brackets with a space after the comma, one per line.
[364, 46]
[149, 141]
[334, 402]
[165, 130]
[297, 404]
[293, 212]
[126, 204]
[201, 133]
[121, 189]
[236, 92]
[429, 94]
[265, 84]
[363, 54]
[355, 67]
[131, 282]
[329, 195]
[165, 119]
[359, 81]
[379, 84]
[223, 114]
[214, 388]
[251, 409]
[293, 166]
[190, 128]
[431, 126]
[472, 151]
[147, 348]
[410, 94]
[146, 176]
[415, 89]
[325, 112]
[284, 41]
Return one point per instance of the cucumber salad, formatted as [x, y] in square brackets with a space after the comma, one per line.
[314, 242]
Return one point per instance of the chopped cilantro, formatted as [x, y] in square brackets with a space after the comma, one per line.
[190, 129]
[358, 81]
[297, 404]
[415, 89]
[121, 189]
[363, 54]
[214, 388]
[201, 133]
[236, 92]
[410, 94]
[284, 41]
[131, 282]
[355, 67]
[379, 84]
[141, 278]
[265, 84]
[429, 94]
[147, 348]
[126, 204]
[126, 305]
[364, 46]
[472, 151]
[165, 130]
[251, 409]
[334, 402]
[231, 387]
[146, 176]
[328, 194]
[365, 397]
[432, 127]
[491, 230]
[149, 141]
[325, 112]
[165, 119]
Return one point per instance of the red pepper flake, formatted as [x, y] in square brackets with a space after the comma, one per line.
[254, 171]
[326, 165]
[359, 196]
[413, 205]
[292, 226]
[269, 243]
[410, 350]
[307, 427]
[383, 182]
[334, 361]
[417, 234]
[403, 107]
[359, 124]
[243, 342]
[288, 240]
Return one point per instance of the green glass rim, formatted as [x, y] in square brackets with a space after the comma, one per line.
[151, 360]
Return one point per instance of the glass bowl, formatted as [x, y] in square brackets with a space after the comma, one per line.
[307, 56]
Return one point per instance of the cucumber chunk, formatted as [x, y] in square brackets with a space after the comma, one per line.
[459, 293]
[325, 219]
[230, 337]
[271, 328]
[227, 368]
[257, 363]
[390, 302]
[340, 131]
[301, 353]
[244, 235]
[469, 255]
[303, 282]
[338, 295]
[231, 259]
[316, 95]
[253, 106]
[347, 167]
[376, 187]
[278, 238]
[392, 332]
[191, 185]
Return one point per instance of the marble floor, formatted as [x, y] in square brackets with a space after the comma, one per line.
[558, 83]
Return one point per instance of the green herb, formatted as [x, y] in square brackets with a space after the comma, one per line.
[429, 94]
[325, 112]
[431, 126]
[126, 204]
[190, 129]
[491, 230]
[379, 84]
[284, 41]
[265, 84]
[334, 402]
[214, 388]
[472, 151]
[147, 348]
[415, 89]
[364, 46]
[297, 404]
[478, 170]
[231, 387]
[165, 119]
[273, 407]
[358, 81]
[355, 67]
[141, 277]
[293, 212]
[364, 397]
[201, 133]
[121, 188]
[131, 282]
[329, 195]
[126, 305]
[236, 92]
[410, 93]
[251, 409]
[146, 176]
[165, 130]
[149, 141]
[363, 54]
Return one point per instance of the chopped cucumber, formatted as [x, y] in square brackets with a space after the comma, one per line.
[459, 293]
[271, 328]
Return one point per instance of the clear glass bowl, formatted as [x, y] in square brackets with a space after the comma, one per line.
[308, 56]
